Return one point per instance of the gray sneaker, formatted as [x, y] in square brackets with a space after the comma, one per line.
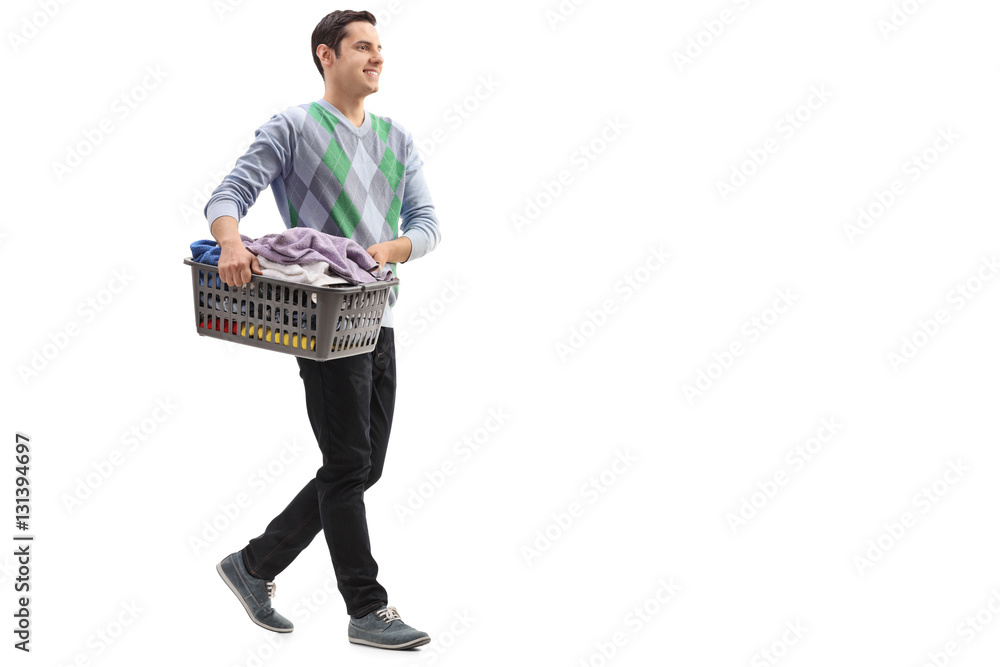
[383, 628]
[255, 594]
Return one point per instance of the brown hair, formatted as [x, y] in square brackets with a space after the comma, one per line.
[332, 30]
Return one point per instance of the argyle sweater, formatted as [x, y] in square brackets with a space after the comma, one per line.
[364, 183]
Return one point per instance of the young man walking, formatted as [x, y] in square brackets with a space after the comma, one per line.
[336, 168]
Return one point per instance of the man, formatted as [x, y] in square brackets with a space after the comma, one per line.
[336, 168]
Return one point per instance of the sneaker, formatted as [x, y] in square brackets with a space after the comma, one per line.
[383, 628]
[255, 594]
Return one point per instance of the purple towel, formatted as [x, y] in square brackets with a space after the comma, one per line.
[302, 245]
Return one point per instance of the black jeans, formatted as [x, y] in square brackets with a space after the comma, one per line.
[350, 403]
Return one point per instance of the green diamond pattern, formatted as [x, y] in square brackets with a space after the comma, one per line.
[381, 127]
[392, 217]
[345, 215]
[392, 168]
[326, 119]
[337, 161]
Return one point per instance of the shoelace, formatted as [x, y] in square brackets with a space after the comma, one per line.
[389, 614]
[272, 588]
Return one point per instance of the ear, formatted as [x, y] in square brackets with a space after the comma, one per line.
[325, 55]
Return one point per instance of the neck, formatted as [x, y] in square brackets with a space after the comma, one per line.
[352, 107]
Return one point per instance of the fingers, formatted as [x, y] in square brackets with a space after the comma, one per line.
[236, 267]
[234, 274]
[230, 274]
[226, 273]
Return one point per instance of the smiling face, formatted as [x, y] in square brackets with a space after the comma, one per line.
[356, 72]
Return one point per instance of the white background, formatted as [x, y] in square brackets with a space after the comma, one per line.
[521, 334]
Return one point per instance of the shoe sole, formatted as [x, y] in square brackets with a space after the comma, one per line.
[218, 568]
[410, 644]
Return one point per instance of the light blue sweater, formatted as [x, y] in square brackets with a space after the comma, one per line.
[364, 183]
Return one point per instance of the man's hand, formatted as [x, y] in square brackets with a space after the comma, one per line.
[236, 263]
[396, 250]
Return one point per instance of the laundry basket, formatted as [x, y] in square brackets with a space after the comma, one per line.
[318, 323]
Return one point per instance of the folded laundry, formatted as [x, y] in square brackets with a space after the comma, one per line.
[312, 273]
[304, 245]
[302, 254]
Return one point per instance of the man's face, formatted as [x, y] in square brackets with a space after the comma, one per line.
[359, 66]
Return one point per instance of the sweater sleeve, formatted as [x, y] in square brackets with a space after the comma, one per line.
[419, 221]
[266, 158]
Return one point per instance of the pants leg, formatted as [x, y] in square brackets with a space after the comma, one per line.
[350, 403]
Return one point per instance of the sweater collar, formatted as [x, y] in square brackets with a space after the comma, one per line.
[360, 131]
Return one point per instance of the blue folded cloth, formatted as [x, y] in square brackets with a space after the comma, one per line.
[206, 251]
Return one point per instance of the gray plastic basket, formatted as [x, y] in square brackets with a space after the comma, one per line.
[318, 323]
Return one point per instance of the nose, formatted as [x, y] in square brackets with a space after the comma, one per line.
[377, 58]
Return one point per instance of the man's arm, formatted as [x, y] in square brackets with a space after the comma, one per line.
[254, 171]
[236, 263]
[418, 217]
[420, 230]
